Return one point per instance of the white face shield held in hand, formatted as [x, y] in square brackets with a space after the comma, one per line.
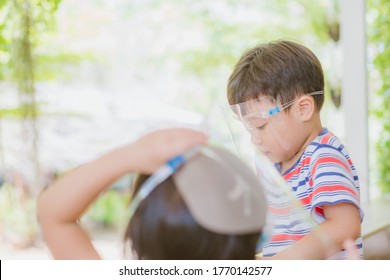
[221, 192]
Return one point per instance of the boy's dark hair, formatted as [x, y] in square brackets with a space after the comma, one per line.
[163, 228]
[279, 70]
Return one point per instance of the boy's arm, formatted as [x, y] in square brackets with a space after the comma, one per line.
[343, 223]
[62, 204]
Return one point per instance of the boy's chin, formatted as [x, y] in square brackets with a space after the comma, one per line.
[272, 157]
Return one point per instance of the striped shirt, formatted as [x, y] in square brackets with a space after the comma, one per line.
[324, 174]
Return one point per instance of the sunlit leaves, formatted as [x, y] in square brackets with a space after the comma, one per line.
[379, 36]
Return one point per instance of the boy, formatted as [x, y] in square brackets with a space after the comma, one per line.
[276, 90]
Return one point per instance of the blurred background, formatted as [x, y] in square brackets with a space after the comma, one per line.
[78, 78]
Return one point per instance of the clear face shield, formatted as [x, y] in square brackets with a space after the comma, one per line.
[254, 113]
[269, 130]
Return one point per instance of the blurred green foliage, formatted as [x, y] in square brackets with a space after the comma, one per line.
[109, 210]
[23, 24]
[18, 224]
[314, 23]
[25, 58]
[379, 38]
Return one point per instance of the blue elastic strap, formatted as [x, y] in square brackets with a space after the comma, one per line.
[176, 162]
[274, 111]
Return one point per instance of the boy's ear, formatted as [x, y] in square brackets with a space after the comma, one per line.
[306, 108]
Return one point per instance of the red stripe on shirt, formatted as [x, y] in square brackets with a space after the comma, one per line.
[284, 237]
[334, 188]
[323, 160]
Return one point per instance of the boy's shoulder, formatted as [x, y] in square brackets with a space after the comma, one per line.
[326, 140]
[328, 147]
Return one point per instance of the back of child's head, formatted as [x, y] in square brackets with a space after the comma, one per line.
[279, 71]
[211, 208]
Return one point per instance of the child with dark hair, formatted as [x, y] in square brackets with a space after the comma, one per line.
[201, 202]
[277, 91]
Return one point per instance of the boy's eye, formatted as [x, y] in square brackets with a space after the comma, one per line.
[260, 127]
[256, 123]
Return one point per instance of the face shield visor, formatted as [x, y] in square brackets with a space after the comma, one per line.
[268, 128]
[255, 113]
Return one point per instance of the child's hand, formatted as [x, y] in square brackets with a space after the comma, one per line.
[156, 148]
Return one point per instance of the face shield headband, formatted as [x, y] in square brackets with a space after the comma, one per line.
[251, 120]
